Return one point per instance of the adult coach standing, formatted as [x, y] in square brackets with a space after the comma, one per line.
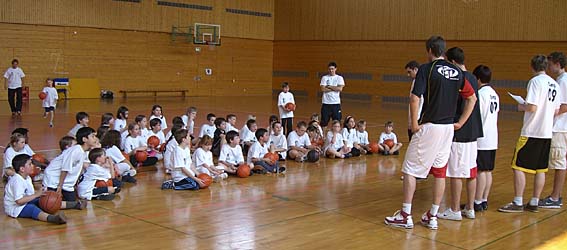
[14, 79]
[440, 82]
[331, 85]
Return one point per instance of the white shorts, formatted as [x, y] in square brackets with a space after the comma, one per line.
[429, 147]
[462, 159]
[558, 151]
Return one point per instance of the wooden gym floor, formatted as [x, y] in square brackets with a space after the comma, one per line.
[332, 204]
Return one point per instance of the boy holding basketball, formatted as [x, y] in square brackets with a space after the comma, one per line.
[100, 170]
[231, 153]
[298, 143]
[386, 147]
[286, 114]
[257, 152]
[22, 201]
[62, 175]
[184, 171]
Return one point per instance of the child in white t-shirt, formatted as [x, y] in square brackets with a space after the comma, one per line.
[155, 130]
[20, 198]
[170, 147]
[286, 115]
[111, 142]
[134, 142]
[100, 170]
[209, 127]
[248, 135]
[50, 100]
[121, 122]
[15, 147]
[335, 147]
[278, 142]
[299, 143]
[142, 121]
[389, 134]
[231, 153]
[203, 159]
[349, 136]
[183, 174]
[82, 119]
[257, 152]
[231, 123]
[157, 112]
[362, 136]
[189, 120]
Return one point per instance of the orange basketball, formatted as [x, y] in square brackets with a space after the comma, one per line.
[207, 179]
[290, 106]
[101, 183]
[50, 202]
[272, 156]
[42, 95]
[153, 141]
[36, 171]
[39, 157]
[141, 156]
[389, 143]
[374, 147]
[243, 171]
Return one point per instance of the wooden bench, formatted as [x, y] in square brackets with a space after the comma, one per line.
[155, 91]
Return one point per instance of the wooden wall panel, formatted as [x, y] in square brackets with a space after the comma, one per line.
[144, 16]
[508, 60]
[122, 59]
[517, 20]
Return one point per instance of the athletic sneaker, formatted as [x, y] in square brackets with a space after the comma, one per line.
[449, 214]
[167, 185]
[531, 208]
[549, 203]
[129, 178]
[105, 197]
[484, 205]
[511, 208]
[429, 220]
[400, 219]
[468, 213]
[281, 170]
[476, 207]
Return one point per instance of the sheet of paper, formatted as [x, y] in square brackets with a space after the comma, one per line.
[517, 98]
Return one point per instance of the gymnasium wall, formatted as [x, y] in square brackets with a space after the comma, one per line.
[127, 44]
[373, 40]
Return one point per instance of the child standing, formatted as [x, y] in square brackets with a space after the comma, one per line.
[389, 134]
[278, 142]
[100, 169]
[184, 172]
[134, 142]
[231, 153]
[257, 152]
[286, 115]
[20, 198]
[335, 145]
[203, 158]
[157, 112]
[219, 136]
[50, 100]
[82, 119]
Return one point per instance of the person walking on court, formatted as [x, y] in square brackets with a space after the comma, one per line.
[532, 149]
[14, 80]
[440, 82]
[332, 85]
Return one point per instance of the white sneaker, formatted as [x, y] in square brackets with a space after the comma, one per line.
[449, 214]
[399, 219]
[468, 213]
[225, 175]
[429, 221]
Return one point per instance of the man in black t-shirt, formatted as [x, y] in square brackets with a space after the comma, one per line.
[440, 83]
[462, 161]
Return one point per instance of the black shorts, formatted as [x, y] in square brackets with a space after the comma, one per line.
[49, 109]
[485, 160]
[67, 196]
[531, 155]
[330, 112]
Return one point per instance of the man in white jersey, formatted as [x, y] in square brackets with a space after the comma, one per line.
[489, 103]
[556, 67]
[331, 85]
[532, 149]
